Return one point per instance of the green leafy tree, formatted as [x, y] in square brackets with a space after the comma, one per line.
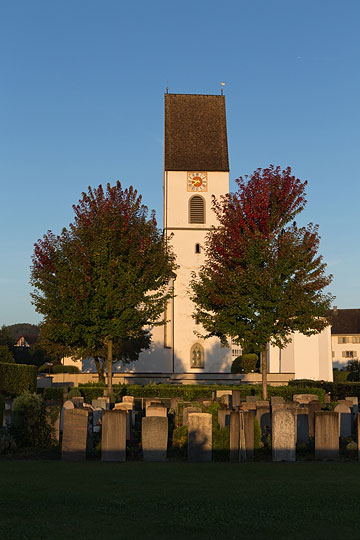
[263, 277]
[5, 354]
[105, 278]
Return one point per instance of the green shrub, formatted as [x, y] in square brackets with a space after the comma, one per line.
[17, 378]
[179, 441]
[342, 376]
[29, 422]
[7, 443]
[246, 363]
[6, 355]
[54, 393]
[221, 444]
[74, 392]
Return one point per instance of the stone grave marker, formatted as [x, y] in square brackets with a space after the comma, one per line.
[284, 434]
[154, 438]
[78, 401]
[263, 416]
[113, 435]
[67, 405]
[303, 425]
[345, 420]
[242, 436]
[358, 434]
[103, 402]
[187, 411]
[200, 437]
[224, 417]
[207, 403]
[313, 407]
[226, 400]
[326, 435]
[221, 393]
[156, 411]
[75, 434]
[252, 399]
[128, 399]
[236, 398]
[304, 399]
[97, 419]
[275, 400]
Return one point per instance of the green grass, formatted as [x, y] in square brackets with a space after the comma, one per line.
[51, 500]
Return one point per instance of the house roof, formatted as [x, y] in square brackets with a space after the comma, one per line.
[345, 321]
[195, 133]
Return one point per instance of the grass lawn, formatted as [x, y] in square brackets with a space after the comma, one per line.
[51, 500]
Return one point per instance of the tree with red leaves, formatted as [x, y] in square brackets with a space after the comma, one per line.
[104, 280]
[263, 277]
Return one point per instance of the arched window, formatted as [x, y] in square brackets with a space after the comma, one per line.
[197, 209]
[197, 357]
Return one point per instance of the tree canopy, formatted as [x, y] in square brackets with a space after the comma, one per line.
[263, 277]
[104, 280]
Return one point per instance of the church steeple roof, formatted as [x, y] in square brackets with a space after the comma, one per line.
[195, 133]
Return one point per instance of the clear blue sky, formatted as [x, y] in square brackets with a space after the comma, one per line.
[81, 103]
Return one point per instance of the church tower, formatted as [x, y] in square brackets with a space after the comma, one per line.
[196, 166]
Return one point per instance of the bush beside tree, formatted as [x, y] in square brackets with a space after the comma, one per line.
[246, 363]
[17, 378]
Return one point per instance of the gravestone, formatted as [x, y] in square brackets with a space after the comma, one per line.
[326, 435]
[241, 436]
[313, 407]
[236, 398]
[97, 419]
[249, 417]
[156, 411]
[75, 434]
[200, 437]
[220, 393]
[128, 399]
[187, 411]
[275, 400]
[124, 406]
[226, 400]
[113, 435]
[102, 402]
[78, 401]
[303, 425]
[284, 434]
[252, 399]
[234, 436]
[224, 417]
[304, 399]
[345, 420]
[154, 438]
[207, 403]
[263, 416]
[68, 405]
[358, 434]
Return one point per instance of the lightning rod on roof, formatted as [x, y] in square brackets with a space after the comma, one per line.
[222, 88]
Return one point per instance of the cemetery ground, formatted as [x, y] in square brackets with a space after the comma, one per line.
[178, 500]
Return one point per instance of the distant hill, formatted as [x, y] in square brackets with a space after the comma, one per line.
[29, 331]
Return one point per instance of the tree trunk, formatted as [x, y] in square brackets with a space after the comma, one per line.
[100, 369]
[264, 374]
[109, 365]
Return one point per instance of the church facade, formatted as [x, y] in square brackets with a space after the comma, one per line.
[196, 167]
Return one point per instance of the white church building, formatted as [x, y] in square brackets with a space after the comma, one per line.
[196, 167]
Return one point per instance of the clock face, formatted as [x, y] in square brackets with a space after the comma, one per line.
[197, 181]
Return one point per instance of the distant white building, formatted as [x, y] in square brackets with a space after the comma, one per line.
[345, 336]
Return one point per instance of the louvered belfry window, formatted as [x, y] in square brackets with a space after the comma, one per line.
[197, 209]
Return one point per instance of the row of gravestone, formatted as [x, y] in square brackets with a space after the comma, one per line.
[284, 428]
[76, 438]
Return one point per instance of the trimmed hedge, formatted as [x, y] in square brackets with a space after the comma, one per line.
[17, 378]
[58, 369]
[338, 390]
[54, 393]
[190, 392]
